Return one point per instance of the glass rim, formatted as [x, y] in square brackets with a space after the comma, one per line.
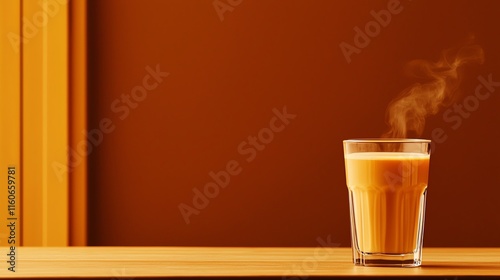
[387, 140]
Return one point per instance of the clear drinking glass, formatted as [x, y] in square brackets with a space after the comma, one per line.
[387, 182]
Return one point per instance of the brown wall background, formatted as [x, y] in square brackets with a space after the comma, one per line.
[225, 79]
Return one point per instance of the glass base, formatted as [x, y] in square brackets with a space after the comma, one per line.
[395, 260]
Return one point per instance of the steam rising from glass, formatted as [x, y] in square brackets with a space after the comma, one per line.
[438, 88]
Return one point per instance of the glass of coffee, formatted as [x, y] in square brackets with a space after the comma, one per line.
[387, 183]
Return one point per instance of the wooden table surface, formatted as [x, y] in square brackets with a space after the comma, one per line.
[283, 263]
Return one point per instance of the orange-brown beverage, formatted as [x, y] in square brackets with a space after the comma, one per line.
[387, 183]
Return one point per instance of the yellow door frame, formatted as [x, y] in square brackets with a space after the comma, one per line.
[50, 59]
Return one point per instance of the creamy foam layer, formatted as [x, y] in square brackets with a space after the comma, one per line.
[386, 156]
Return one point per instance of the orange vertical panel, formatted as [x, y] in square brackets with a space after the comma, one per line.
[78, 121]
[10, 119]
